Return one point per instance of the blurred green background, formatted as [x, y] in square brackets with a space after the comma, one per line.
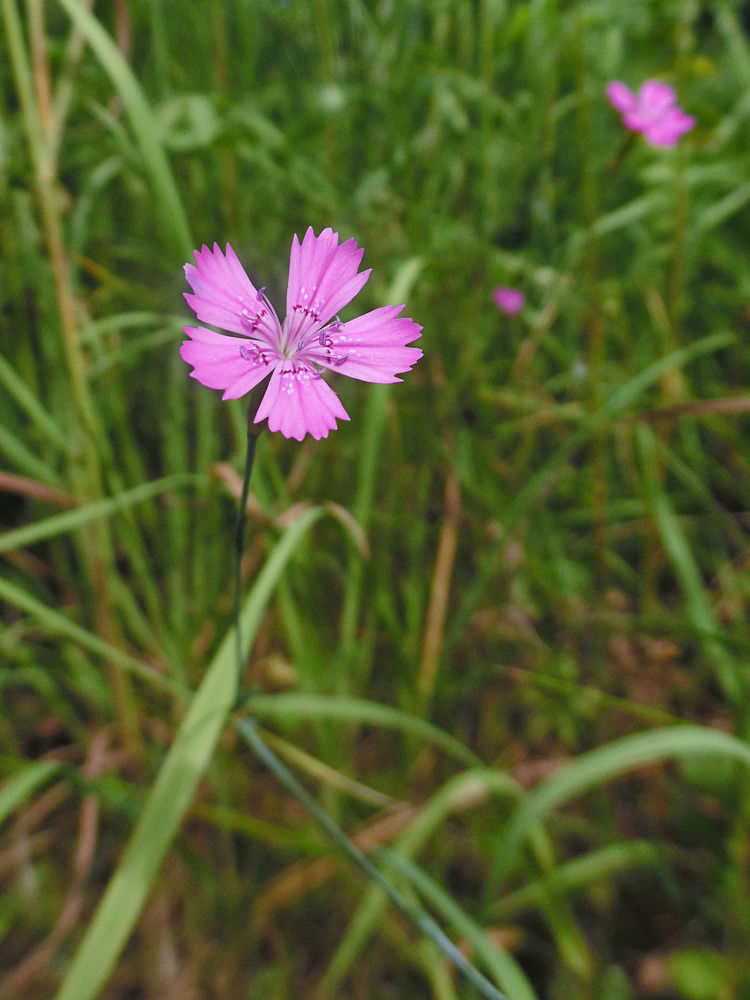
[538, 543]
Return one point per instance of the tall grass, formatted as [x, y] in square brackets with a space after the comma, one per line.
[499, 621]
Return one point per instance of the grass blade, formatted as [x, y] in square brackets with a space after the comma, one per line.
[357, 710]
[22, 785]
[697, 604]
[603, 764]
[173, 790]
[166, 196]
[457, 793]
[59, 624]
[58, 524]
[503, 967]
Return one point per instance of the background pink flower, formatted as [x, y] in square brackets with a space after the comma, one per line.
[509, 300]
[653, 111]
[323, 278]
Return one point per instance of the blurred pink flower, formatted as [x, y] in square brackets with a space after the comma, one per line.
[653, 111]
[323, 278]
[509, 300]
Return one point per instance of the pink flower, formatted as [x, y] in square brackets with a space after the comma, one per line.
[653, 111]
[509, 300]
[323, 278]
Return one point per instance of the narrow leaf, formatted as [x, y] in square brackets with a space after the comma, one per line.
[174, 788]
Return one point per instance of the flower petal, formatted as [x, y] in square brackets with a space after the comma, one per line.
[371, 347]
[228, 363]
[225, 296]
[668, 129]
[323, 279]
[298, 402]
[655, 97]
[620, 96]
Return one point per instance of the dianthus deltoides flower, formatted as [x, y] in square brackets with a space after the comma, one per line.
[509, 300]
[323, 278]
[653, 111]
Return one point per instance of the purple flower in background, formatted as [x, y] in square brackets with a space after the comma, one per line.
[323, 278]
[508, 300]
[653, 111]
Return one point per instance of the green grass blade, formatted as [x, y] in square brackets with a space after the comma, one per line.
[58, 524]
[372, 435]
[356, 710]
[697, 604]
[603, 764]
[59, 624]
[19, 390]
[597, 866]
[21, 786]
[457, 793]
[367, 471]
[502, 966]
[628, 393]
[24, 460]
[173, 790]
[166, 196]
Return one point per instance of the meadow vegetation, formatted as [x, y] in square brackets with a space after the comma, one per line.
[497, 624]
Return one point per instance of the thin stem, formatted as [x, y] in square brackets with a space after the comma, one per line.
[249, 730]
[239, 546]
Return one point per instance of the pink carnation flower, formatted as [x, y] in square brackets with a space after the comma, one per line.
[323, 278]
[653, 111]
[509, 300]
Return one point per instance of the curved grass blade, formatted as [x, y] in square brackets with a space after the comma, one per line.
[25, 460]
[57, 623]
[58, 524]
[166, 196]
[499, 963]
[601, 765]
[357, 857]
[173, 790]
[697, 605]
[21, 786]
[459, 792]
[596, 866]
[25, 398]
[356, 710]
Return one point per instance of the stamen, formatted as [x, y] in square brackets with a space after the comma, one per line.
[254, 355]
[335, 324]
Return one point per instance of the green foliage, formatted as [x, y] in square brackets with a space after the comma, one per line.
[519, 676]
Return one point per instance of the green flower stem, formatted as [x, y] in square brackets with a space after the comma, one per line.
[248, 728]
[239, 544]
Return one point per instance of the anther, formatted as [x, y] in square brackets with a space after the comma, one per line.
[335, 325]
